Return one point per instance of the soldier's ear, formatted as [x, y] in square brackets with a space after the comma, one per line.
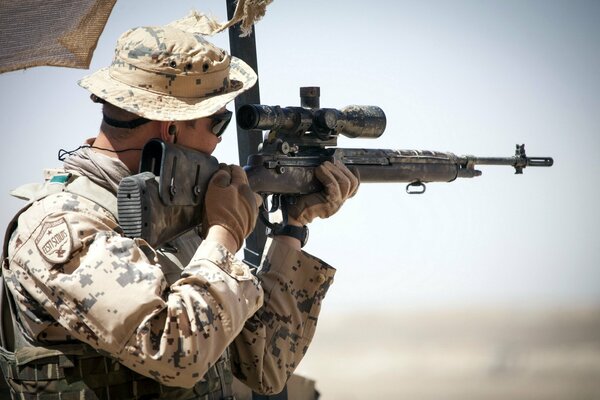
[168, 131]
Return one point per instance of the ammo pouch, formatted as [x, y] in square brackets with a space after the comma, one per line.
[66, 372]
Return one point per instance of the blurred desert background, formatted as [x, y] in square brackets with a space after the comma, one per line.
[483, 353]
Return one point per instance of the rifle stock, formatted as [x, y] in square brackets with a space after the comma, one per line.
[166, 198]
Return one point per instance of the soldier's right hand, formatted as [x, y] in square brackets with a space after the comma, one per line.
[230, 203]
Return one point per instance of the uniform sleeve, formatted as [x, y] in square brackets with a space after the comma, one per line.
[108, 291]
[275, 339]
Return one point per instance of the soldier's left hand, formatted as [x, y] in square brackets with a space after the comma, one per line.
[339, 184]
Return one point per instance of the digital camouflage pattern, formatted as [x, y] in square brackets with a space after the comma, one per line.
[275, 339]
[169, 74]
[167, 314]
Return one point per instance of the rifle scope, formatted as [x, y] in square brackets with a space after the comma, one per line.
[351, 121]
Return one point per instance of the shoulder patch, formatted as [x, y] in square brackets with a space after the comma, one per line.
[54, 241]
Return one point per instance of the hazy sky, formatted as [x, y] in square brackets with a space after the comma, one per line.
[470, 77]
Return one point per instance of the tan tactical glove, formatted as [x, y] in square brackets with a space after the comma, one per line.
[230, 203]
[338, 183]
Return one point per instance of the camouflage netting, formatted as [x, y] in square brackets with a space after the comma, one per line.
[65, 32]
[50, 32]
[247, 13]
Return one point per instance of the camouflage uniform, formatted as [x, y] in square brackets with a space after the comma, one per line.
[96, 315]
[167, 314]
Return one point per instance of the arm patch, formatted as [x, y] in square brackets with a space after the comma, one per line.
[54, 241]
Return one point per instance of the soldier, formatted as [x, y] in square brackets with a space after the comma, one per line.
[89, 313]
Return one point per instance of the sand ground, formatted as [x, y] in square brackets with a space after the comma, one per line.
[457, 354]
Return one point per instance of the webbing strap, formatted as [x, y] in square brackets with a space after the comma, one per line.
[82, 373]
[50, 368]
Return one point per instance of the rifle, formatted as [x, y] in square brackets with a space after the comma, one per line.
[158, 204]
[166, 198]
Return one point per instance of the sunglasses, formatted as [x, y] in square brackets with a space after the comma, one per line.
[220, 122]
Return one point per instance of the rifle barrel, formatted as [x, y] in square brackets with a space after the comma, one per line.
[514, 161]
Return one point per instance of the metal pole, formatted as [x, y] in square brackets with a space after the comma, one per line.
[248, 141]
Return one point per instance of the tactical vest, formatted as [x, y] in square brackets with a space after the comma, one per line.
[77, 371]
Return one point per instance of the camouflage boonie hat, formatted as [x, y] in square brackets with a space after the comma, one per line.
[168, 74]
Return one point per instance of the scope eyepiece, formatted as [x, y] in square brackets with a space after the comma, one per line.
[247, 117]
